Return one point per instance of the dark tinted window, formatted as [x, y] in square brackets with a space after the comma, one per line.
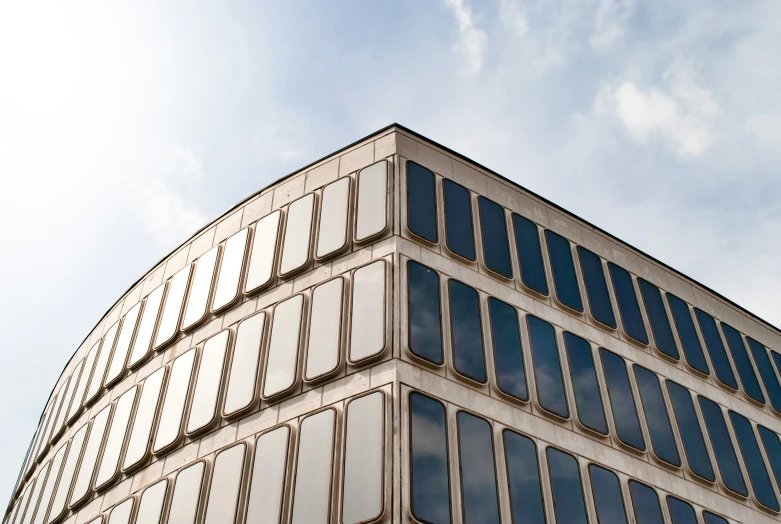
[772, 446]
[718, 355]
[657, 316]
[527, 241]
[622, 401]
[425, 317]
[692, 349]
[565, 281]
[656, 416]
[752, 458]
[743, 363]
[588, 398]
[712, 518]
[608, 500]
[428, 461]
[681, 512]
[547, 367]
[628, 307]
[765, 368]
[508, 355]
[723, 450]
[466, 331]
[691, 432]
[568, 503]
[478, 471]
[421, 202]
[646, 503]
[496, 245]
[596, 287]
[459, 232]
[523, 475]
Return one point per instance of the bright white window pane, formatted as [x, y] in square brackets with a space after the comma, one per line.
[68, 472]
[51, 483]
[170, 426]
[227, 289]
[264, 248]
[243, 377]
[332, 236]
[298, 231]
[203, 411]
[268, 477]
[84, 379]
[172, 310]
[312, 497]
[121, 514]
[61, 407]
[372, 215]
[49, 415]
[24, 502]
[39, 482]
[187, 494]
[200, 289]
[325, 329]
[142, 346]
[109, 464]
[150, 507]
[117, 367]
[83, 483]
[138, 445]
[367, 329]
[283, 346]
[96, 382]
[226, 483]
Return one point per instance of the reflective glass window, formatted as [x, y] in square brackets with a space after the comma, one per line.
[264, 250]
[68, 472]
[527, 242]
[646, 503]
[172, 310]
[83, 482]
[298, 231]
[628, 307]
[690, 431]
[86, 373]
[107, 348]
[493, 230]
[117, 367]
[687, 333]
[62, 405]
[459, 230]
[765, 368]
[547, 367]
[243, 375]
[568, 501]
[371, 214]
[466, 331]
[203, 410]
[588, 397]
[656, 416]
[109, 463]
[172, 413]
[743, 363]
[565, 281]
[187, 494]
[39, 482]
[657, 317]
[364, 459]
[752, 458]
[712, 518]
[226, 291]
[608, 499]
[312, 493]
[142, 344]
[681, 512]
[508, 352]
[478, 469]
[325, 329]
[367, 326]
[150, 506]
[421, 202]
[424, 313]
[332, 235]
[267, 487]
[140, 435]
[51, 484]
[723, 450]
[283, 347]
[24, 502]
[46, 420]
[622, 401]
[772, 445]
[718, 355]
[198, 296]
[122, 512]
[223, 498]
[523, 475]
[429, 480]
[596, 287]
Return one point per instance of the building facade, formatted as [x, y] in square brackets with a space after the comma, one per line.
[397, 334]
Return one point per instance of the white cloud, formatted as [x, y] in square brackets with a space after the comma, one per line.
[610, 23]
[472, 39]
[512, 17]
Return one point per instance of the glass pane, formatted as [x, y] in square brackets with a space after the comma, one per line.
[508, 353]
[68, 472]
[421, 202]
[371, 216]
[424, 313]
[692, 349]
[681, 512]
[51, 483]
[712, 518]
[243, 376]
[752, 458]
[631, 317]
[78, 393]
[223, 498]
[523, 475]
[142, 345]
[429, 480]
[172, 413]
[138, 444]
[98, 520]
[367, 328]
[264, 249]
[298, 231]
[588, 397]
[198, 298]
[121, 514]
[172, 310]
[743, 363]
[596, 287]
[565, 281]
[568, 503]
[690, 431]
[268, 477]
[496, 245]
[527, 242]
[109, 463]
[466, 331]
[723, 450]
[364, 459]
[332, 236]
[150, 507]
[187, 494]
[459, 229]
[646, 503]
[718, 355]
[24, 502]
[39, 483]
[283, 346]
[107, 348]
[765, 368]
[657, 316]
[547, 367]
[117, 367]
[312, 497]
[45, 428]
[61, 408]
[772, 445]
[656, 416]
[227, 288]
[325, 329]
[203, 410]
[478, 469]
[608, 499]
[83, 483]
[622, 401]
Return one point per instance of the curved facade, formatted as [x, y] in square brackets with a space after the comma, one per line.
[397, 334]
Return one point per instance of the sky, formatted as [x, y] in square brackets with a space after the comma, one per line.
[126, 126]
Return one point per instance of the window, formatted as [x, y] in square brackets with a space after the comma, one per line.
[332, 236]
[364, 458]
[203, 411]
[117, 367]
[312, 492]
[565, 281]
[646, 503]
[172, 412]
[508, 354]
[723, 449]
[68, 472]
[765, 368]
[187, 494]
[282, 360]
[51, 483]
[772, 445]
[718, 355]
[523, 475]
[122, 512]
[631, 317]
[466, 331]
[264, 250]
[83, 483]
[755, 464]
[43, 432]
[547, 367]
[172, 310]
[424, 313]
[223, 498]
[596, 287]
[196, 310]
[588, 397]
[496, 246]
[138, 444]
[59, 411]
[371, 216]
[712, 518]
[459, 230]
[527, 242]
[96, 382]
[608, 500]
[298, 231]
[81, 387]
[568, 502]
[142, 344]
[478, 469]
[681, 512]
[691, 432]
[243, 376]
[19, 514]
[657, 317]
[656, 416]
[743, 363]
[622, 401]
[150, 507]
[687, 333]
[429, 480]
[109, 463]
[268, 476]
[325, 329]
[421, 202]
[39, 483]
[367, 328]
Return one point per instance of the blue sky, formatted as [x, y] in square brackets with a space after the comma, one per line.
[124, 127]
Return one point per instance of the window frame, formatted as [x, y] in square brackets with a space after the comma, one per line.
[388, 179]
[408, 208]
[449, 282]
[447, 181]
[491, 271]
